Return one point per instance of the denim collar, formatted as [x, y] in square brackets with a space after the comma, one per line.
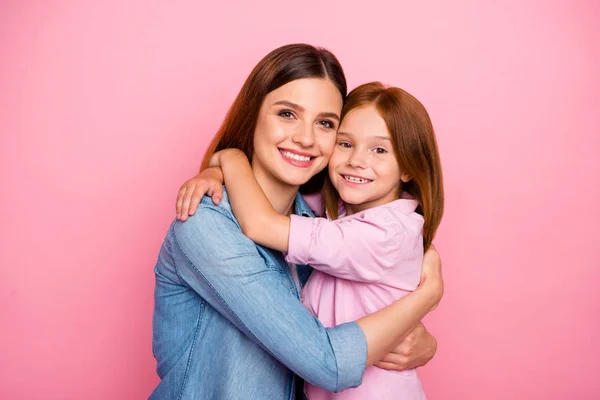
[301, 208]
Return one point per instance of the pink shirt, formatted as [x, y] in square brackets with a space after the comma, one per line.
[363, 262]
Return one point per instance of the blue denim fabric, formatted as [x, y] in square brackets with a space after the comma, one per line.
[228, 322]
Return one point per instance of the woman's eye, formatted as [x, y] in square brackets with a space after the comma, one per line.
[380, 150]
[286, 114]
[327, 124]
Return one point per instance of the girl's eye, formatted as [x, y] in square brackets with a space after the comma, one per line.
[287, 114]
[327, 124]
[345, 145]
[380, 150]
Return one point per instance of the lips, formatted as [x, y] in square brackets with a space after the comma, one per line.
[355, 180]
[296, 158]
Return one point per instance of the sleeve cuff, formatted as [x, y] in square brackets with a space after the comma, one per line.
[300, 238]
[350, 347]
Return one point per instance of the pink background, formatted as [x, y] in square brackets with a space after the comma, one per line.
[106, 108]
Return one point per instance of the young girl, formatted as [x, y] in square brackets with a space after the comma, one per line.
[386, 171]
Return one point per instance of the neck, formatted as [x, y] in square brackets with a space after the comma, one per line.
[280, 195]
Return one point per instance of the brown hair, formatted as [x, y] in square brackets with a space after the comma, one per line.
[283, 65]
[414, 145]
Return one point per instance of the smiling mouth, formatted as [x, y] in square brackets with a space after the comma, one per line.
[295, 156]
[356, 179]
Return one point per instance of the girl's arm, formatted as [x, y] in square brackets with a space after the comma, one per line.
[253, 211]
[361, 248]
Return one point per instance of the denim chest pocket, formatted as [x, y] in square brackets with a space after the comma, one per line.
[273, 260]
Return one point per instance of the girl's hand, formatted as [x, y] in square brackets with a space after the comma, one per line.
[209, 182]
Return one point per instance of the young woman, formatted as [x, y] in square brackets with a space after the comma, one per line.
[228, 322]
[387, 172]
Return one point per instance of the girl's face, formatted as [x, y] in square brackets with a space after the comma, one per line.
[295, 131]
[363, 167]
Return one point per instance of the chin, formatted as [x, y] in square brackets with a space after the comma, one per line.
[352, 198]
[294, 179]
[296, 176]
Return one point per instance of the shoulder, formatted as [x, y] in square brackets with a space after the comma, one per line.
[397, 218]
[210, 220]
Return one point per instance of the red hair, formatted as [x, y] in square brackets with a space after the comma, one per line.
[414, 145]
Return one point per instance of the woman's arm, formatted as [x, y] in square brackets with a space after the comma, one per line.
[216, 260]
[415, 346]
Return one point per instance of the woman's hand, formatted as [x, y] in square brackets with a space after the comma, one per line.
[431, 275]
[416, 350]
[209, 182]
[419, 347]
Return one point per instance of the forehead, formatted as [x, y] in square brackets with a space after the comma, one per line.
[313, 94]
[364, 121]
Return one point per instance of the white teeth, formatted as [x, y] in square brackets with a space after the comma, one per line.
[293, 156]
[356, 179]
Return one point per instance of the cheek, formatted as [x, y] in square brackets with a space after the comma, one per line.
[390, 171]
[327, 145]
[337, 159]
[260, 132]
[267, 132]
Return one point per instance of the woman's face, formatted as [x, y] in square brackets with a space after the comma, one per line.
[295, 131]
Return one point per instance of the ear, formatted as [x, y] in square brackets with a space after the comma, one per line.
[405, 177]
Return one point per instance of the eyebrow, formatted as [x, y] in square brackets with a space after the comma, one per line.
[340, 133]
[298, 107]
[384, 138]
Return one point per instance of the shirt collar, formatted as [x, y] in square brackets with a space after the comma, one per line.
[301, 208]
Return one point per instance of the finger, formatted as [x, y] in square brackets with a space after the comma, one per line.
[389, 366]
[187, 201]
[179, 201]
[393, 358]
[211, 193]
[187, 198]
[195, 200]
[217, 194]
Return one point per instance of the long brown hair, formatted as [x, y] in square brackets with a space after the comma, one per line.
[283, 65]
[414, 145]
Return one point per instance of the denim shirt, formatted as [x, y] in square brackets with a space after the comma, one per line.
[228, 322]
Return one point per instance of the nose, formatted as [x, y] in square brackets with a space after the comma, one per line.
[357, 159]
[304, 135]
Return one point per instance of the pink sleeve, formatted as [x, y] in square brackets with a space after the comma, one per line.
[362, 247]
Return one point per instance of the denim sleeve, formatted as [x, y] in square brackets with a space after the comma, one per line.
[216, 260]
